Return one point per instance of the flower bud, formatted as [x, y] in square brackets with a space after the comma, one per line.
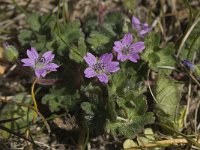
[188, 64]
[10, 52]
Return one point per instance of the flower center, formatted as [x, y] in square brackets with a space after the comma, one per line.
[99, 67]
[126, 50]
[40, 63]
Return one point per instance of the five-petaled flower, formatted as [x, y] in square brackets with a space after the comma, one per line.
[41, 64]
[128, 50]
[100, 67]
[142, 28]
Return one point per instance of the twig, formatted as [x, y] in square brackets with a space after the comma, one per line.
[10, 70]
[195, 117]
[161, 27]
[150, 86]
[181, 134]
[42, 144]
[28, 3]
[188, 103]
[189, 97]
[162, 143]
[168, 67]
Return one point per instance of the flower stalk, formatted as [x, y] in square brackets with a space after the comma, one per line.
[33, 96]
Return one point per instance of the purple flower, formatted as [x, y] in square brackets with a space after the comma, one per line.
[100, 67]
[41, 64]
[142, 28]
[128, 50]
[188, 64]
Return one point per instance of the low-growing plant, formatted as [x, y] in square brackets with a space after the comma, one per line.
[101, 74]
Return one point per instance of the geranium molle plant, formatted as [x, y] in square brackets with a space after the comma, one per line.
[142, 28]
[100, 67]
[126, 49]
[41, 64]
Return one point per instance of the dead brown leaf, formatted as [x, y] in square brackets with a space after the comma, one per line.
[2, 66]
[2, 69]
[1, 52]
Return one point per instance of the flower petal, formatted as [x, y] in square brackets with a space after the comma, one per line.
[89, 72]
[142, 33]
[121, 57]
[112, 67]
[48, 56]
[188, 64]
[145, 26]
[40, 72]
[106, 57]
[127, 40]
[136, 23]
[133, 57]
[90, 59]
[103, 78]
[137, 47]
[118, 46]
[28, 62]
[51, 67]
[32, 54]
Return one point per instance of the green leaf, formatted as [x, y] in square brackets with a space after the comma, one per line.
[197, 71]
[165, 55]
[94, 108]
[149, 134]
[78, 52]
[33, 21]
[69, 32]
[25, 36]
[128, 143]
[126, 108]
[54, 102]
[167, 94]
[59, 100]
[89, 108]
[97, 40]
[156, 56]
[107, 29]
[111, 110]
[42, 43]
[129, 4]
[47, 21]
[192, 44]
[152, 41]
[131, 115]
[117, 21]
[11, 110]
[90, 25]
[123, 78]
[68, 36]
